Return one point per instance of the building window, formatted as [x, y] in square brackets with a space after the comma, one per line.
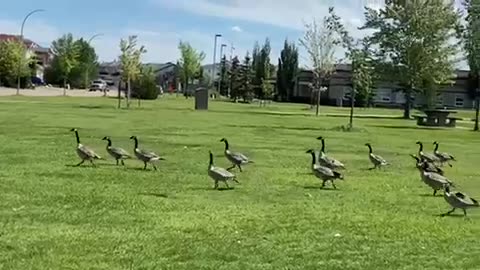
[386, 99]
[459, 101]
[440, 101]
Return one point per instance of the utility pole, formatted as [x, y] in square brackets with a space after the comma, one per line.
[477, 103]
[231, 59]
[214, 57]
[87, 68]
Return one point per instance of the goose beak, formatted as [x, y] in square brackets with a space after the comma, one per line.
[73, 129]
[319, 138]
[132, 137]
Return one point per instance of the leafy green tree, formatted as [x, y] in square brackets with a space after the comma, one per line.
[472, 47]
[15, 62]
[66, 51]
[145, 85]
[320, 41]
[130, 60]
[268, 90]
[414, 41]
[190, 63]
[87, 67]
[287, 70]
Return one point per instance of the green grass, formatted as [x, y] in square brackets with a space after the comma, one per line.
[54, 216]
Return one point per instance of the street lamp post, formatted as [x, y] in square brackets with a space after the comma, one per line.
[221, 57]
[21, 41]
[87, 68]
[232, 49]
[214, 57]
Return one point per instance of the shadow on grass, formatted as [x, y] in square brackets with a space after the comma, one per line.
[152, 194]
[410, 127]
[320, 188]
[442, 215]
[279, 127]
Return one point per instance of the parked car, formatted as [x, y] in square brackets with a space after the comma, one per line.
[99, 85]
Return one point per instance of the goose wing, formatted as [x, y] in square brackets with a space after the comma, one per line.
[429, 157]
[378, 159]
[241, 158]
[148, 154]
[444, 156]
[222, 172]
[88, 151]
[323, 171]
[465, 199]
[439, 178]
[335, 163]
[119, 151]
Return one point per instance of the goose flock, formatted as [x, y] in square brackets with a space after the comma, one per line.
[325, 168]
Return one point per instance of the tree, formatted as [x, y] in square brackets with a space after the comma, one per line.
[472, 47]
[224, 78]
[190, 63]
[414, 41]
[145, 85]
[15, 62]
[287, 70]
[320, 42]
[130, 60]
[246, 79]
[235, 82]
[66, 52]
[267, 89]
[87, 66]
[261, 66]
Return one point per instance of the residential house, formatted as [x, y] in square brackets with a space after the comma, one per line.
[42, 55]
[386, 94]
[166, 75]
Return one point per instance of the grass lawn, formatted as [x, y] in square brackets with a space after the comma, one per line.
[54, 216]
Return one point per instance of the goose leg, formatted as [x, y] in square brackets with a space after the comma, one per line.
[240, 167]
[233, 166]
[93, 164]
[81, 162]
[215, 186]
[123, 163]
[323, 184]
[449, 212]
[154, 167]
[145, 167]
[434, 192]
[235, 180]
[464, 212]
[333, 184]
[117, 162]
[226, 184]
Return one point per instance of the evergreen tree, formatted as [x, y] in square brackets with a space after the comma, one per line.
[235, 82]
[224, 77]
[287, 70]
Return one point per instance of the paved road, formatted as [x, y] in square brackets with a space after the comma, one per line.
[53, 91]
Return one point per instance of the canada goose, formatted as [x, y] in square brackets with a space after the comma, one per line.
[442, 157]
[458, 200]
[326, 161]
[84, 152]
[429, 167]
[219, 174]
[237, 159]
[433, 180]
[117, 153]
[376, 160]
[426, 156]
[322, 172]
[145, 156]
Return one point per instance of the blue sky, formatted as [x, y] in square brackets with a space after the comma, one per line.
[160, 24]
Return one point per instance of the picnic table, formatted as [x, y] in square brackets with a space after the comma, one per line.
[437, 118]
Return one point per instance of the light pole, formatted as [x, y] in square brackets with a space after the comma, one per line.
[214, 57]
[87, 68]
[221, 57]
[22, 43]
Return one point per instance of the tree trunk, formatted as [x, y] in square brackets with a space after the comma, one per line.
[64, 86]
[408, 103]
[477, 110]
[319, 94]
[352, 107]
[18, 85]
[119, 94]
[129, 92]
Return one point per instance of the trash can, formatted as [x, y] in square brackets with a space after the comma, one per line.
[201, 99]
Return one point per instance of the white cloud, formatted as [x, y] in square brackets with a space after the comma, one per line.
[237, 28]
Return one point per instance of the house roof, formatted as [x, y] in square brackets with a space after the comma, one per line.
[29, 43]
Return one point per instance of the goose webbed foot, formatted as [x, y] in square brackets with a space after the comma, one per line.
[81, 162]
[123, 163]
[434, 193]
[465, 212]
[240, 168]
[449, 212]
[117, 162]
[145, 167]
[333, 184]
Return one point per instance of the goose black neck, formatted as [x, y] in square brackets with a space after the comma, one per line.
[370, 149]
[78, 137]
[136, 142]
[421, 147]
[313, 158]
[211, 160]
[323, 145]
[436, 147]
[226, 144]
[109, 142]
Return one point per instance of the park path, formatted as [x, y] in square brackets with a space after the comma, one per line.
[53, 91]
